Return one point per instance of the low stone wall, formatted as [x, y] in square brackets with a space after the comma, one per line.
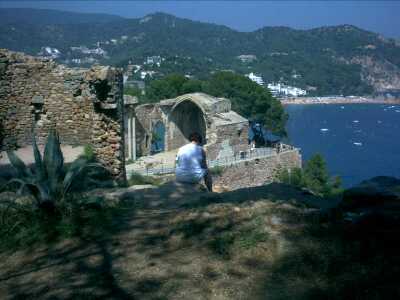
[84, 105]
[228, 140]
[258, 171]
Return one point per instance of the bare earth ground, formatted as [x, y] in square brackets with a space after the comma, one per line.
[176, 242]
[70, 154]
[164, 159]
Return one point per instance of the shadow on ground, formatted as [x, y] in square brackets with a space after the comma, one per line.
[176, 242]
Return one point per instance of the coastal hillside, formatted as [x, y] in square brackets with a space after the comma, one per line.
[329, 60]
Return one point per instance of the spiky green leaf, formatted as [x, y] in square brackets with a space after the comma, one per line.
[19, 166]
[53, 162]
[39, 168]
[74, 170]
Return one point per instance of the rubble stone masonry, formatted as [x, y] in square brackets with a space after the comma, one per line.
[258, 171]
[84, 105]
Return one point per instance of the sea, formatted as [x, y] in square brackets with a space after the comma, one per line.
[358, 141]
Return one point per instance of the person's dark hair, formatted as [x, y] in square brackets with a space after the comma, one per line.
[195, 137]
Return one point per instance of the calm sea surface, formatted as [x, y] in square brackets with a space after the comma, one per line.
[358, 141]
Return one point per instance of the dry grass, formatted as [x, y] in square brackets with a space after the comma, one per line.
[237, 245]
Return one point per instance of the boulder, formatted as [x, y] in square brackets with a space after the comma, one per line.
[378, 192]
[373, 206]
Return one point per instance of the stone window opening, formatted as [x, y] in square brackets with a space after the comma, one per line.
[37, 108]
[77, 92]
[102, 89]
[158, 138]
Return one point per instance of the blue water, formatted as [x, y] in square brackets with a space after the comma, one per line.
[358, 141]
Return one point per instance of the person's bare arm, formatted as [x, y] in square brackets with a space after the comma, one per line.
[204, 160]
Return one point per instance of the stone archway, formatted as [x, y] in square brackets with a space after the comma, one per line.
[186, 117]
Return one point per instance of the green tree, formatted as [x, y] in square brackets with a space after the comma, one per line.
[132, 91]
[168, 87]
[314, 176]
[192, 86]
[248, 99]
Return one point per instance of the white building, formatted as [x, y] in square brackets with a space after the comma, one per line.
[86, 50]
[247, 58]
[49, 52]
[255, 78]
[143, 74]
[150, 60]
[280, 89]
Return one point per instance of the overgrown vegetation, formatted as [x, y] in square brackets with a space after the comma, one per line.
[23, 225]
[88, 153]
[314, 177]
[137, 179]
[216, 171]
[46, 202]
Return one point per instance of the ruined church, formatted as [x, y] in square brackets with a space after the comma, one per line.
[170, 122]
[87, 107]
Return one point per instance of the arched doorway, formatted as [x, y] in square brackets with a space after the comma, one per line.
[158, 138]
[187, 117]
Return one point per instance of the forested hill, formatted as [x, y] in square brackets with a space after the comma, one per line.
[327, 60]
[49, 17]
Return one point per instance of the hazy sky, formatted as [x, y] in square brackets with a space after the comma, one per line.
[378, 16]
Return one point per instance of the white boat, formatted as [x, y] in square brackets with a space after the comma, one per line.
[357, 143]
[324, 129]
[356, 121]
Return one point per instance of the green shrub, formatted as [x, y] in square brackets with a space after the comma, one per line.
[22, 224]
[137, 179]
[314, 176]
[216, 171]
[88, 153]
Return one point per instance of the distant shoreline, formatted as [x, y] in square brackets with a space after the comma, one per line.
[338, 100]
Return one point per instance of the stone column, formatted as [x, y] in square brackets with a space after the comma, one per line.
[131, 138]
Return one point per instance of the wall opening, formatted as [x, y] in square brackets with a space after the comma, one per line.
[187, 118]
[158, 138]
[102, 89]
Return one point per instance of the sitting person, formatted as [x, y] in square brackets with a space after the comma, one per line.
[191, 163]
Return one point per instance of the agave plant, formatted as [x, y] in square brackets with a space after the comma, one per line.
[48, 181]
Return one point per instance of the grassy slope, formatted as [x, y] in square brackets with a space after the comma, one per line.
[172, 243]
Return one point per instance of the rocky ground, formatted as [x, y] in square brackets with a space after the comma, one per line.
[178, 242]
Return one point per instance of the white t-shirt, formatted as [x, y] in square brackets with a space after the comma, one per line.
[188, 164]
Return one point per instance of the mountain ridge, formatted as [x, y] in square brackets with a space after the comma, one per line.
[51, 16]
[340, 59]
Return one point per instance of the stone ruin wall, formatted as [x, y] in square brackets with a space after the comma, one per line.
[227, 140]
[257, 172]
[84, 105]
[147, 115]
[231, 138]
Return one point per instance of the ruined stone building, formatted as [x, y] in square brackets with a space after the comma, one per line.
[84, 105]
[224, 131]
[87, 107]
